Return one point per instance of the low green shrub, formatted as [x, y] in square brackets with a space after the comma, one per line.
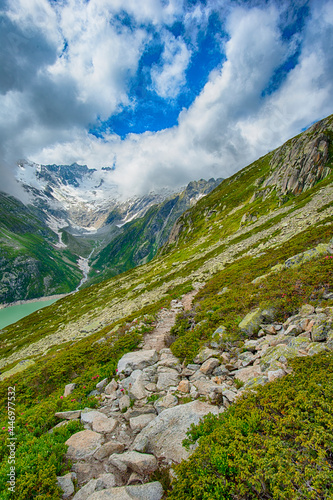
[274, 444]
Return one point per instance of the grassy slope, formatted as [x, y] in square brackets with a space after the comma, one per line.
[212, 251]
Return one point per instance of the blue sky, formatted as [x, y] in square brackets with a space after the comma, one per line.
[166, 91]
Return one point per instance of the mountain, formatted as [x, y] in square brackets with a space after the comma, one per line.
[142, 237]
[245, 278]
[33, 261]
[70, 218]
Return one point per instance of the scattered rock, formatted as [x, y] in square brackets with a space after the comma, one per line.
[136, 361]
[148, 491]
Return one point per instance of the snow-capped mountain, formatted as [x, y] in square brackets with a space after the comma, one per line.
[77, 197]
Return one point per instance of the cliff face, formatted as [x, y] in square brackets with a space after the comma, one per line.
[302, 162]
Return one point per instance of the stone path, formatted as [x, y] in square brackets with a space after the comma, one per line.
[165, 321]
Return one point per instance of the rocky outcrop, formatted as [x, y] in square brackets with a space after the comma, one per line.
[302, 162]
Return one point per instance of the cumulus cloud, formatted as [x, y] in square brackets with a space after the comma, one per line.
[168, 78]
[78, 72]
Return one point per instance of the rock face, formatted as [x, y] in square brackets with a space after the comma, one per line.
[163, 435]
[301, 166]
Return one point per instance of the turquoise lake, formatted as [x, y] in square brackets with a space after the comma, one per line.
[11, 314]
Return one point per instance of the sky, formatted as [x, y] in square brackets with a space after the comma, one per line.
[159, 92]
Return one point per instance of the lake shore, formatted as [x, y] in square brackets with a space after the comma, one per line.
[32, 301]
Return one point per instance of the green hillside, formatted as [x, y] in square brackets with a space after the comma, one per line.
[262, 239]
[31, 265]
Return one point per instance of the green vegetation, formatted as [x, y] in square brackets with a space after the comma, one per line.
[276, 443]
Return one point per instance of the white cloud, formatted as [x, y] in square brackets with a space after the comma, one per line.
[49, 101]
[168, 79]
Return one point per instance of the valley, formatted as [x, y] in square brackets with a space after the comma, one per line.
[230, 306]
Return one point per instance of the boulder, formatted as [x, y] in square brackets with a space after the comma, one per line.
[83, 444]
[250, 324]
[163, 436]
[105, 481]
[65, 483]
[167, 377]
[134, 384]
[319, 331]
[100, 385]
[306, 310]
[124, 403]
[184, 386]
[108, 449]
[148, 491]
[103, 424]
[69, 388]
[142, 463]
[111, 388]
[138, 423]
[203, 355]
[248, 373]
[208, 366]
[136, 360]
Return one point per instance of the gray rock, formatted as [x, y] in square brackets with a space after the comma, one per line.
[250, 324]
[246, 358]
[83, 444]
[108, 449]
[87, 490]
[134, 384]
[306, 310]
[148, 491]
[105, 481]
[320, 331]
[68, 415]
[165, 402]
[142, 463]
[248, 373]
[124, 402]
[103, 424]
[136, 360]
[208, 366]
[100, 385]
[111, 387]
[69, 388]
[193, 366]
[205, 354]
[167, 377]
[138, 423]
[208, 389]
[163, 436]
[66, 484]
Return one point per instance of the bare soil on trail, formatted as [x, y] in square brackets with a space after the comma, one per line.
[165, 321]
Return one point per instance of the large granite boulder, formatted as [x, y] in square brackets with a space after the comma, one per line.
[163, 436]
